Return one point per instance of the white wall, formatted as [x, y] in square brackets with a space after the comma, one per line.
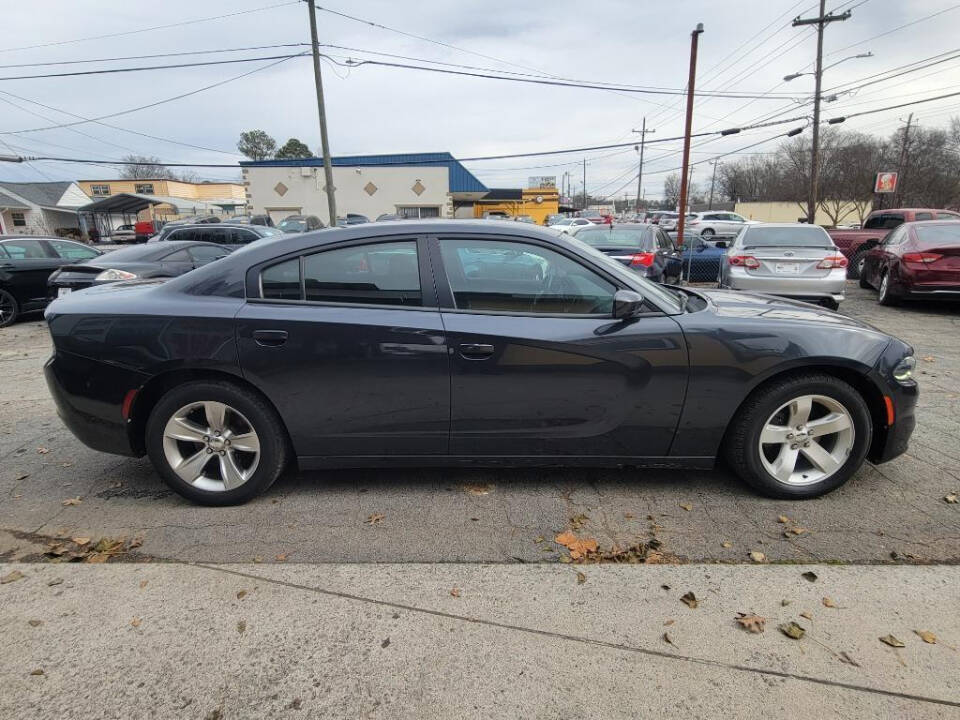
[35, 223]
[73, 197]
[304, 194]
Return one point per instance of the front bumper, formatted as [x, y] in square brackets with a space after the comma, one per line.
[890, 440]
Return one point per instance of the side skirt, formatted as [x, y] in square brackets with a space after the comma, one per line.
[315, 462]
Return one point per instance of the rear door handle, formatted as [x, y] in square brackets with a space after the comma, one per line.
[270, 338]
[476, 351]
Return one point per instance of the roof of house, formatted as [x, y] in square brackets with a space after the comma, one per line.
[135, 202]
[9, 203]
[44, 194]
[461, 179]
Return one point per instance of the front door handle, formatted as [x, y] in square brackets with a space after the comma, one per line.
[270, 338]
[476, 351]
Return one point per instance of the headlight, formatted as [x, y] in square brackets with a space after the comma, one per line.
[903, 372]
[112, 274]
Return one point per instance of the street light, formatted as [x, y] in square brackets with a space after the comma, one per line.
[794, 76]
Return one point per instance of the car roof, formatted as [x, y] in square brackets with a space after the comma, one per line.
[924, 223]
[147, 251]
[758, 226]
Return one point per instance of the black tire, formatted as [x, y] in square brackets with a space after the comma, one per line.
[741, 442]
[260, 414]
[884, 296]
[708, 233]
[856, 262]
[862, 281]
[9, 308]
[830, 304]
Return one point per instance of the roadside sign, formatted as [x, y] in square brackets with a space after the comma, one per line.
[886, 182]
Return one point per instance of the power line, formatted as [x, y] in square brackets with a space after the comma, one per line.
[892, 30]
[155, 55]
[151, 29]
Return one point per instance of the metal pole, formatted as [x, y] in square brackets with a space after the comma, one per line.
[584, 184]
[694, 36]
[903, 159]
[322, 113]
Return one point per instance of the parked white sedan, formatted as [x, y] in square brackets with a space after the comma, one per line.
[567, 224]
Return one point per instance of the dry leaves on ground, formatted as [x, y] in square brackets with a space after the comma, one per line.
[690, 600]
[892, 641]
[807, 614]
[241, 594]
[669, 640]
[845, 657]
[477, 489]
[455, 592]
[81, 540]
[726, 544]
[686, 506]
[578, 547]
[241, 626]
[928, 358]
[38, 671]
[751, 622]
[21, 476]
[34, 623]
[581, 578]
[794, 531]
[42, 450]
[136, 622]
[828, 602]
[11, 576]
[98, 552]
[758, 557]
[808, 575]
[375, 518]
[282, 557]
[783, 519]
[791, 630]
[951, 498]
[578, 520]
[71, 501]
[927, 636]
[143, 584]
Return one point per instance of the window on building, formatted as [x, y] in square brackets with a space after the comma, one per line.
[142, 188]
[19, 219]
[100, 190]
[430, 211]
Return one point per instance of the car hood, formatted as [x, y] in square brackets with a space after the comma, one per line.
[736, 304]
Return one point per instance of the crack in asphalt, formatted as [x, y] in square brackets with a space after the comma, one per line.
[584, 640]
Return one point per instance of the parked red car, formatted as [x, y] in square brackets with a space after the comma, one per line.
[915, 260]
[855, 244]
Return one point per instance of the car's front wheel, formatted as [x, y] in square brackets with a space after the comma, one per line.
[9, 309]
[708, 233]
[216, 443]
[800, 437]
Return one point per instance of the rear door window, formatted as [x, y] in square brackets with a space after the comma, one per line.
[205, 253]
[72, 251]
[377, 274]
[26, 250]
[239, 236]
[281, 281]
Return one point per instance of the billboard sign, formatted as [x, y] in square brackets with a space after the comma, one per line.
[886, 182]
[541, 182]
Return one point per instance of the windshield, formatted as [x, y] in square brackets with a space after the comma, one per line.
[268, 231]
[759, 236]
[288, 225]
[625, 237]
[647, 288]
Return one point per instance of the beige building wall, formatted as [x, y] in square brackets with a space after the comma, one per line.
[170, 188]
[792, 212]
[367, 190]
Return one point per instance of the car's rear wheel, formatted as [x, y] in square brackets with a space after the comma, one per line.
[9, 309]
[884, 296]
[855, 268]
[708, 233]
[800, 437]
[216, 443]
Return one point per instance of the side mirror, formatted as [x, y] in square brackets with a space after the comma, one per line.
[627, 303]
[722, 244]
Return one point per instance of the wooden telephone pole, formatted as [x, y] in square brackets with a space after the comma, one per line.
[694, 36]
[643, 138]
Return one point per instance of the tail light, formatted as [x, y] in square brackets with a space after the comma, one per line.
[644, 259]
[834, 261]
[747, 261]
[921, 257]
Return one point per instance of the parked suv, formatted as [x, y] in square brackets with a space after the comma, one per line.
[708, 224]
[232, 236]
[300, 224]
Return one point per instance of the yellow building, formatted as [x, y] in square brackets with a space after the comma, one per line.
[205, 191]
[538, 203]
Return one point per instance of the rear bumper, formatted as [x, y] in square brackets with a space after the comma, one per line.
[833, 285]
[89, 398]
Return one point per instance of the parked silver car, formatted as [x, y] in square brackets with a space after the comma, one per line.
[713, 222]
[788, 259]
[567, 224]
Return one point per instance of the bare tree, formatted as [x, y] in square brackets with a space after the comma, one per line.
[671, 190]
[148, 167]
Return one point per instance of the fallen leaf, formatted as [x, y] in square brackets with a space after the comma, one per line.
[783, 519]
[565, 559]
[578, 520]
[664, 587]
[726, 544]
[34, 623]
[892, 641]
[785, 602]
[581, 578]
[241, 626]
[21, 476]
[72, 501]
[66, 464]
[375, 518]
[539, 539]
[385, 643]
[758, 557]
[808, 575]
[928, 358]
[81, 540]
[667, 639]
[136, 622]
[791, 630]
[690, 600]
[11, 576]
[476, 489]
[578, 547]
[55, 581]
[927, 636]
[751, 622]
[241, 594]
[794, 531]
[686, 506]
[455, 592]
[828, 602]
[628, 516]
[282, 557]
[143, 584]
[257, 559]
[951, 498]
[668, 623]
[38, 671]
[98, 558]
[42, 450]
[807, 614]
[845, 657]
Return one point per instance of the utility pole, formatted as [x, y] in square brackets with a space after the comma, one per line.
[694, 36]
[821, 21]
[903, 160]
[713, 181]
[322, 113]
[584, 184]
[643, 139]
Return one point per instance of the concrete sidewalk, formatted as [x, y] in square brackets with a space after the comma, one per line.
[445, 641]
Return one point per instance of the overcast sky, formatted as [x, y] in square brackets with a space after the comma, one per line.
[747, 47]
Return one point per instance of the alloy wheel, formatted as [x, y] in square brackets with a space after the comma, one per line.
[806, 440]
[211, 446]
[8, 308]
[884, 286]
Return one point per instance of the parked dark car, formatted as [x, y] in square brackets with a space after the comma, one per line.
[300, 224]
[388, 216]
[25, 264]
[352, 219]
[421, 343]
[645, 249]
[702, 258]
[156, 260]
[915, 260]
[228, 235]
